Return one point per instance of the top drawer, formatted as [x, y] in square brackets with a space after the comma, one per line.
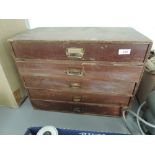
[96, 51]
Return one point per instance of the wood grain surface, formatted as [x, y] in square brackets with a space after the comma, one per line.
[93, 51]
[81, 70]
[84, 86]
[94, 71]
[83, 34]
[77, 108]
[91, 98]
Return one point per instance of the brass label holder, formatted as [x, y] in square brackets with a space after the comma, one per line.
[75, 53]
[77, 98]
[74, 72]
[75, 85]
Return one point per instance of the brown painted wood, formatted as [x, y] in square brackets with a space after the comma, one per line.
[83, 34]
[84, 86]
[93, 71]
[44, 94]
[77, 108]
[93, 51]
[107, 80]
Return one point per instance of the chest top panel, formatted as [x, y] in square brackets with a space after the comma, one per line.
[103, 34]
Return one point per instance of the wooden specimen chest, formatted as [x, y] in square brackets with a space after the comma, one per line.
[83, 70]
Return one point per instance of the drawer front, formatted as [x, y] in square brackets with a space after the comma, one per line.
[81, 70]
[77, 108]
[83, 86]
[80, 51]
[78, 97]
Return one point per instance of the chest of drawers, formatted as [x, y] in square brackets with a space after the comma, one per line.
[82, 70]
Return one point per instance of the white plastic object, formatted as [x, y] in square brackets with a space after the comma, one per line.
[48, 130]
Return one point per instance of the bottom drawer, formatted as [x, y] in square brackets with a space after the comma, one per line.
[77, 108]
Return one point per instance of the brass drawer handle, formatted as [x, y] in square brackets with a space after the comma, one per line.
[77, 109]
[75, 85]
[77, 98]
[75, 53]
[74, 72]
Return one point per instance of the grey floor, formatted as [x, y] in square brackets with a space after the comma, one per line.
[16, 121]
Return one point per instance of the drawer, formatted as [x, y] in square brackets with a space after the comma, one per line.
[81, 70]
[78, 97]
[96, 51]
[83, 86]
[77, 108]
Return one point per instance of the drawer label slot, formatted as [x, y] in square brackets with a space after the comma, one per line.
[124, 51]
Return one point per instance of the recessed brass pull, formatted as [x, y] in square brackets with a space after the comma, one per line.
[77, 109]
[77, 98]
[75, 53]
[75, 85]
[74, 72]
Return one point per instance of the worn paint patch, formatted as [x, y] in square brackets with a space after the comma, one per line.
[17, 95]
